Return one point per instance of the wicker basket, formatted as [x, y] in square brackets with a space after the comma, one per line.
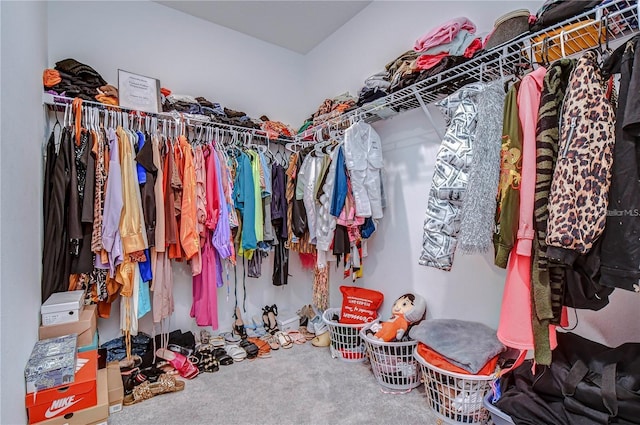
[346, 343]
[455, 398]
[392, 363]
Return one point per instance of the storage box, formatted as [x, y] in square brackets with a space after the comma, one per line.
[62, 307]
[95, 415]
[116, 388]
[52, 362]
[90, 347]
[288, 322]
[497, 416]
[62, 400]
[85, 327]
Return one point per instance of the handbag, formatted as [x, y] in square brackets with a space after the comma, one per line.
[554, 11]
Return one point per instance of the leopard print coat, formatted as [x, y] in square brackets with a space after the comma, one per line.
[579, 192]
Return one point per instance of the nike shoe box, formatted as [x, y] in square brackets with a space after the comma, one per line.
[96, 415]
[85, 327]
[65, 399]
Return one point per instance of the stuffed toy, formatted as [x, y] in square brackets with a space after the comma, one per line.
[407, 310]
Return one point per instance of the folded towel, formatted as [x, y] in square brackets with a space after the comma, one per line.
[469, 345]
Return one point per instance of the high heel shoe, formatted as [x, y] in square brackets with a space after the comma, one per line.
[238, 325]
[273, 323]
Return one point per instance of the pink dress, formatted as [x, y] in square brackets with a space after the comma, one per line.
[515, 327]
[205, 297]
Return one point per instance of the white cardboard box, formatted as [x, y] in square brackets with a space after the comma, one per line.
[62, 307]
[288, 321]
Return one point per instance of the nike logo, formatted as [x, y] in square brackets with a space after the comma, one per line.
[59, 406]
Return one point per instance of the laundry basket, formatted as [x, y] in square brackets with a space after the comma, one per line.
[392, 363]
[455, 398]
[346, 343]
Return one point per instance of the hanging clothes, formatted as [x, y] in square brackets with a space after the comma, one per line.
[363, 158]
[515, 326]
[547, 278]
[578, 197]
[442, 222]
[205, 297]
[56, 257]
[478, 210]
[508, 198]
[113, 204]
[620, 255]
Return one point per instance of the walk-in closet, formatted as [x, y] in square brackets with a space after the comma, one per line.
[320, 212]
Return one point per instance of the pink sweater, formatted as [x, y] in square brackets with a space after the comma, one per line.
[444, 33]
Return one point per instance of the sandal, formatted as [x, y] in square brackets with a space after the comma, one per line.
[307, 335]
[230, 337]
[238, 325]
[146, 390]
[217, 341]
[297, 337]
[256, 329]
[222, 357]
[237, 353]
[182, 364]
[272, 313]
[206, 361]
[251, 349]
[284, 339]
[264, 349]
[272, 341]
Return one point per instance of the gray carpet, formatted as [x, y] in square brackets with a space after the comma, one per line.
[301, 385]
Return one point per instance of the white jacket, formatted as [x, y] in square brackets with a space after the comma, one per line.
[363, 158]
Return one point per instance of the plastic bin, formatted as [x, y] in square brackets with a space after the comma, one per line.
[392, 363]
[497, 416]
[346, 343]
[455, 398]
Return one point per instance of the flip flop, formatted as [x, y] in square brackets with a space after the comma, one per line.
[284, 339]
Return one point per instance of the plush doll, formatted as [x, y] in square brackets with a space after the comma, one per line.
[407, 310]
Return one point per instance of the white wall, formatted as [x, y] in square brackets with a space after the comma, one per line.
[473, 289]
[196, 57]
[24, 55]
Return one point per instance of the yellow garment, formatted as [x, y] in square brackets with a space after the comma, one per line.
[131, 228]
[189, 237]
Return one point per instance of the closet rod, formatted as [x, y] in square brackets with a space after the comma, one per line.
[51, 101]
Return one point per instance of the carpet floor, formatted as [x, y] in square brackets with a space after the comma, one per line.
[300, 385]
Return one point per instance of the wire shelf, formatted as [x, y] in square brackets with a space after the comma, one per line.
[613, 21]
[57, 101]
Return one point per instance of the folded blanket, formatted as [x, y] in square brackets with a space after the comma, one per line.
[469, 345]
[445, 33]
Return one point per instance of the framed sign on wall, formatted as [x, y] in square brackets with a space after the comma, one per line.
[139, 92]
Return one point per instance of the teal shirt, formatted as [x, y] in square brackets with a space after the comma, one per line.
[244, 200]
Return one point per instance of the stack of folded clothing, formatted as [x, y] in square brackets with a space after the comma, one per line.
[375, 87]
[400, 68]
[73, 79]
[108, 94]
[276, 129]
[453, 38]
[209, 108]
[332, 108]
[458, 346]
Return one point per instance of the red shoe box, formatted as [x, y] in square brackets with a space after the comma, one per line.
[61, 400]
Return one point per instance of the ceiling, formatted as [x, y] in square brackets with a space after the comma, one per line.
[294, 25]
